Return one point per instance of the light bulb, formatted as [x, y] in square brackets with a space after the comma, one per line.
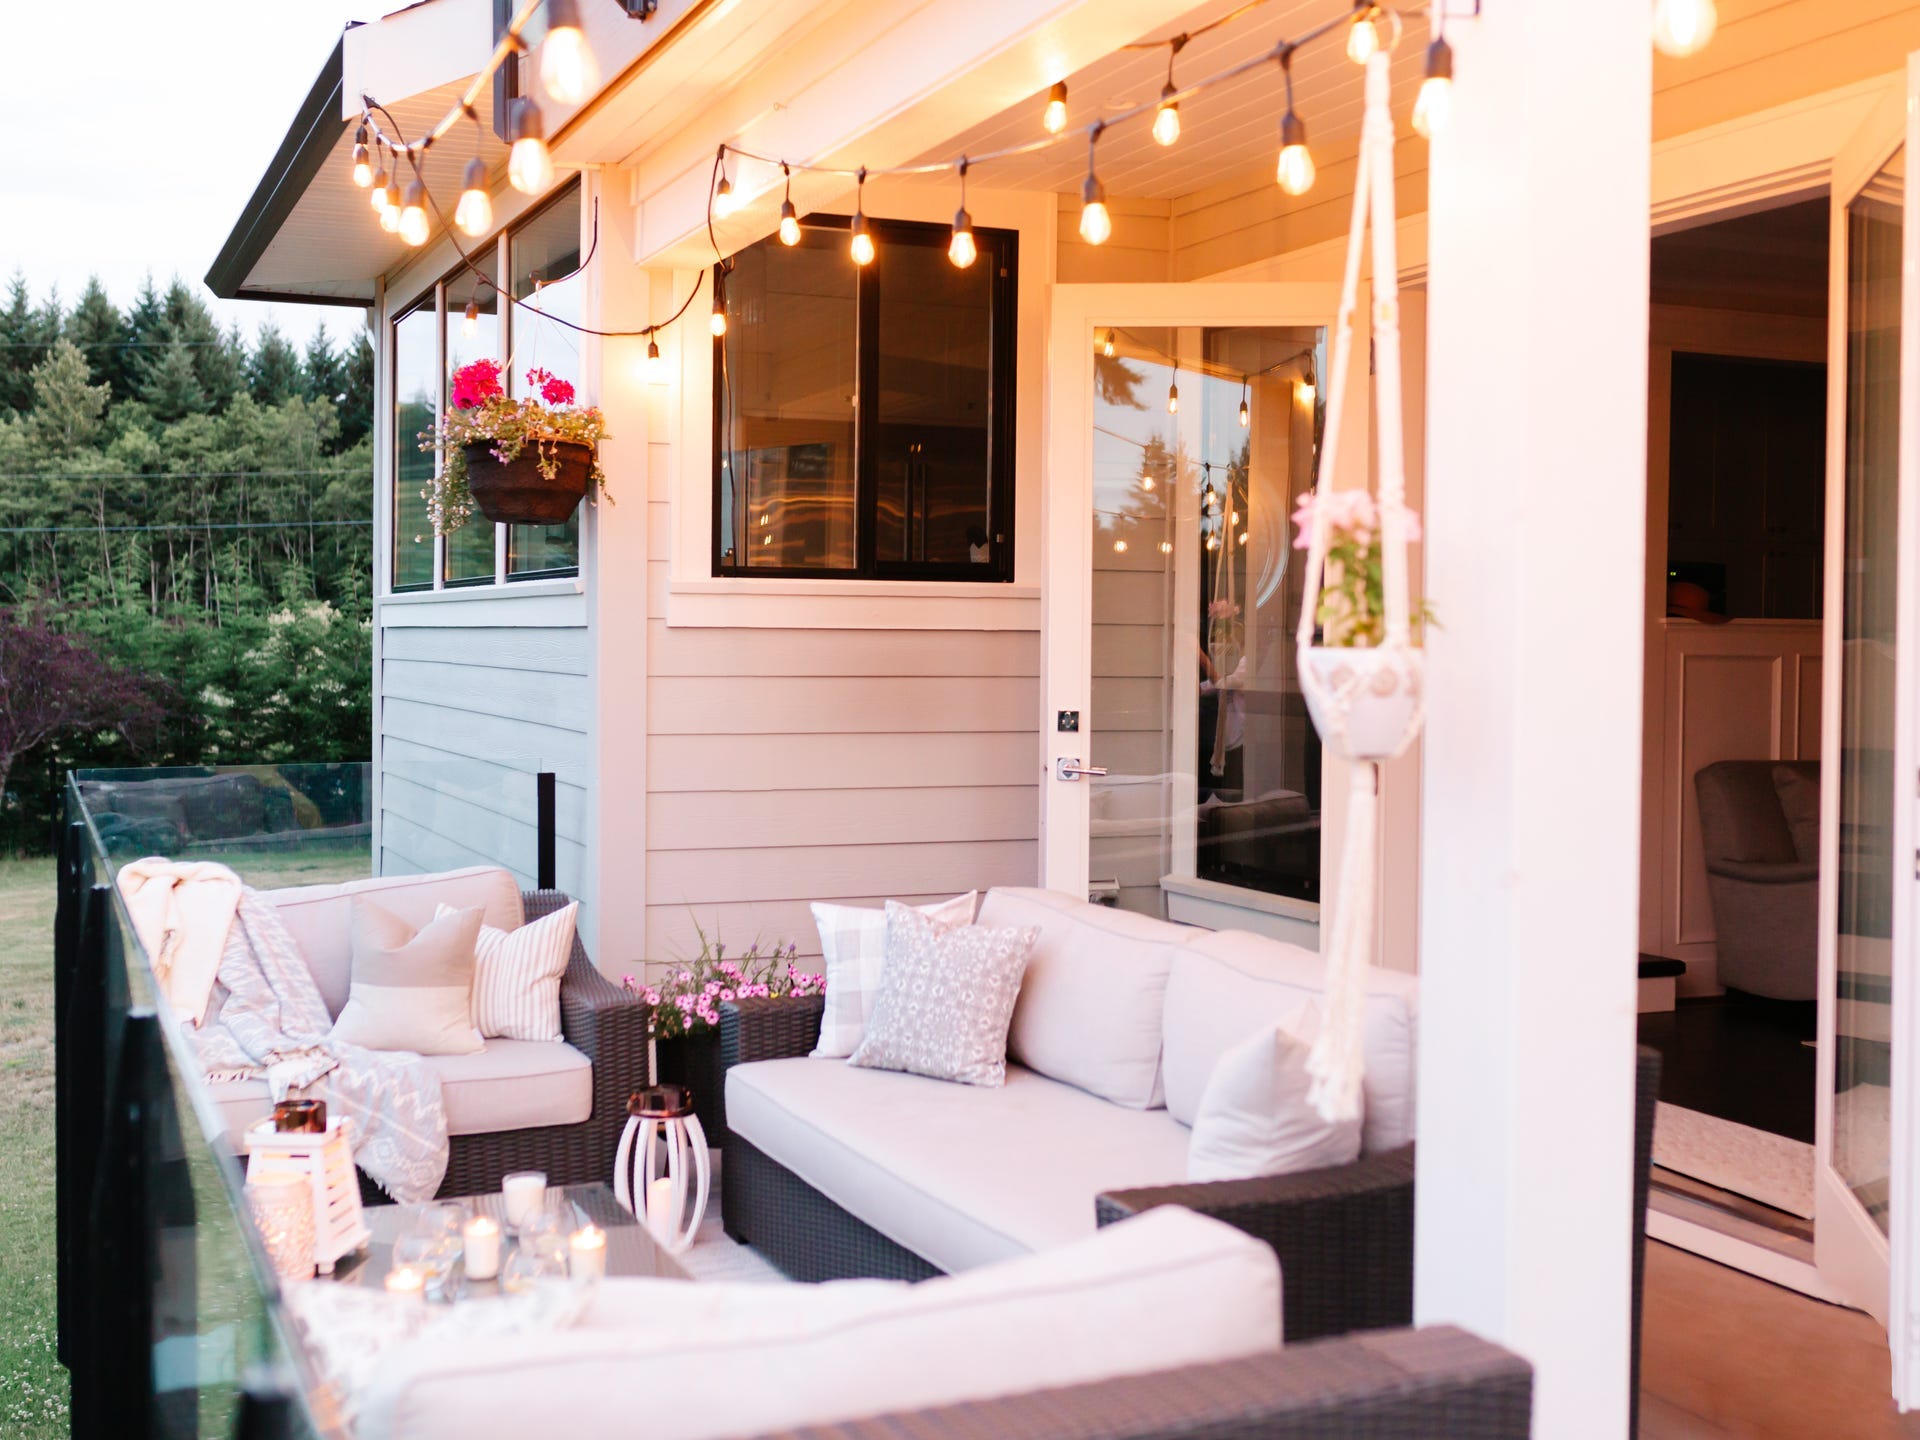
[1363, 38]
[1055, 118]
[529, 163]
[1166, 547]
[1213, 542]
[390, 209]
[1683, 27]
[655, 369]
[1295, 170]
[1307, 392]
[567, 69]
[961, 249]
[1435, 101]
[1107, 349]
[1233, 517]
[1243, 537]
[862, 243]
[789, 224]
[1119, 547]
[1173, 399]
[725, 202]
[1146, 482]
[474, 213]
[378, 199]
[1166, 119]
[718, 323]
[1244, 416]
[1095, 223]
[362, 167]
[470, 322]
[413, 215]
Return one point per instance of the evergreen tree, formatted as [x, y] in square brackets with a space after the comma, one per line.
[326, 370]
[356, 402]
[219, 360]
[98, 329]
[67, 407]
[23, 344]
[273, 370]
[171, 390]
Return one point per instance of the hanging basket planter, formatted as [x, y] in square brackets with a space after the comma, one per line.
[1366, 703]
[518, 491]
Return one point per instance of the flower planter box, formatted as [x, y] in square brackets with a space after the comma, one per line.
[514, 492]
[694, 1061]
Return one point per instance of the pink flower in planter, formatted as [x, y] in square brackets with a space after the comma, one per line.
[726, 994]
[552, 388]
[652, 997]
[476, 382]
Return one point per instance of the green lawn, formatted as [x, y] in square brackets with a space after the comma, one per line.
[33, 1386]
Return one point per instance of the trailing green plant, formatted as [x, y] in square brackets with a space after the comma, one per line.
[482, 412]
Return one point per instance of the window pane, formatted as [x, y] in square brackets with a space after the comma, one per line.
[470, 548]
[784, 395]
[416, 389]
[546, 250]
[934, 411]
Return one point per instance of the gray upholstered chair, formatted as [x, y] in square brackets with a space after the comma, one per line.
[1760, 833]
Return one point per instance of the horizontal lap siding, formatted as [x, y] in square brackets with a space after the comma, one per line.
[840, 765]
[469, 716]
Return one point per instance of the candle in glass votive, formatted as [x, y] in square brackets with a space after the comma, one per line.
[587, 1253]
[524, 1191]
[660, 1208]
[481, 1244]
[407, 1282]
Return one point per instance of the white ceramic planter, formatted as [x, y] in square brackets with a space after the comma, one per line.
[1366, 704]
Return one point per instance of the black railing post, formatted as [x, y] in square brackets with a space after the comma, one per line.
[123, 1238]
[80, 1106]
[544, 802]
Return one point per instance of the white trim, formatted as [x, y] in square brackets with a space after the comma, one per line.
[1743, 1255]
[533, 603]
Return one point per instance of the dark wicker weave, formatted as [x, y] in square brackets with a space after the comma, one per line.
[767, 1206]
[1416, 1384]
[603, 1022]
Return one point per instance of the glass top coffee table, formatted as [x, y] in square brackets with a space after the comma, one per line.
[631, 1250]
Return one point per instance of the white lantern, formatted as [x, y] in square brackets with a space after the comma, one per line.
[662, 1171]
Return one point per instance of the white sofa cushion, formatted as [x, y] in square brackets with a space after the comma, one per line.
[853, 953]
[320, 917]
[1226, 985]
[959, 1174]
[1090, 1010]
[508, 1085]
[1167, 1289]
[1254, 1116]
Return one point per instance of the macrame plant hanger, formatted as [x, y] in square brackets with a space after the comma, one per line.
[1367, 703]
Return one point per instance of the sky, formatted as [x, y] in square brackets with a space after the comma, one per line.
[148, 131]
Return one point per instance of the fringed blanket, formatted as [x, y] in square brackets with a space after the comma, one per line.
[267, 1021]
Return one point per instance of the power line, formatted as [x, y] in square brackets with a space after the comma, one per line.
[174, 474]
[189, 525]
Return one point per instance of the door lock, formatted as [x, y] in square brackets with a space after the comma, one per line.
[1072, 769]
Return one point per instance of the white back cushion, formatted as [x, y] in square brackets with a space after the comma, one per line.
[1227, 984]
[1089, 1012]
[1254, 1116]
[1166, 1289]
[320, 917]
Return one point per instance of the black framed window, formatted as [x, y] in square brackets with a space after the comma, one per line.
[863, 415]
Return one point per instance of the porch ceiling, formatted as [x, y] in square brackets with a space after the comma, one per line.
[1225, 131]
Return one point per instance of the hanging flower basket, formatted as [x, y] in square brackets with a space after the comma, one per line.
[1366, 704]
[539, 486]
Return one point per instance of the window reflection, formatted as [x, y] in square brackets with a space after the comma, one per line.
[416, 389]
[470, 548]
[545, 257]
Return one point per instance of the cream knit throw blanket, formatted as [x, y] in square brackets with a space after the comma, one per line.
[181, 911]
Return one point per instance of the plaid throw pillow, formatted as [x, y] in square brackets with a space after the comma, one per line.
[946, 999]
[853, 942]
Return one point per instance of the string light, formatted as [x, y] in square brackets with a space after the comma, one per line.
[961, 250]
[1055, 115]
[1435, 101]
[1146, 483]
[655, 369]
[725, 202]
[1246, 416]
[1307, 391]
[567, 69]
[390, 208]
[1107, 348]
[1173, 395]
[1166, 116]
[1096, 225]
[1683, 27]
[789, 217]
[474, 213]
[1295, 171]
[529, 163]
[718, 322]
[1166, 547]
[414, 228]
[1119, 547]
[378, 199]
[1363, 35]
[470, 322]
[362, 164]
[861, 245]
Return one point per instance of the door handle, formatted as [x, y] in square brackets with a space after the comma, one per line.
[1072, 769]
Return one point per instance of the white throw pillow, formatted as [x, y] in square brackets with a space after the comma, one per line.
[517, 973]
[1254, 1118]
[853, 943]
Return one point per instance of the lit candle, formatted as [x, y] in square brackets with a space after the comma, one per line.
[587, 1253]
[660, 1207]
[407, 1283]
[525, 1192]
[482, 1244]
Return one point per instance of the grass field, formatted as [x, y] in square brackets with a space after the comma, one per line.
[33, 1386]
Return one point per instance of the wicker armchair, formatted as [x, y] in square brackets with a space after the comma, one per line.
[609, 1026]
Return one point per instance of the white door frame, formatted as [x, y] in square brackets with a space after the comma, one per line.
[1066, 527]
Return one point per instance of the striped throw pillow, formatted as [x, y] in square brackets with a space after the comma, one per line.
[516, 982]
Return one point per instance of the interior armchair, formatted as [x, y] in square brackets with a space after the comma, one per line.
[1760, 833]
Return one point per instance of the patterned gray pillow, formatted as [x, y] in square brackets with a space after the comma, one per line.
[946, 999]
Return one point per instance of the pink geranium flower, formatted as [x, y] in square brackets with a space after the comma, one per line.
[475, 383]
[552, 388]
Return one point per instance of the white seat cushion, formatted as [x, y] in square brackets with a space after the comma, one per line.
[958, 1174]
[1090, 1009]
[1226, 985]
[320, 917]
[1166, 1289]
[508, 1085]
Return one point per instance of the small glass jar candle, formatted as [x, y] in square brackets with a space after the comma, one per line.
[524, 1192]
[407, 1283]
[587, 1253]
[481, 1245]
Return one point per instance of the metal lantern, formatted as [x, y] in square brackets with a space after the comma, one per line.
[662, 1170]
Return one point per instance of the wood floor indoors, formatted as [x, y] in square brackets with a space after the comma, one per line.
[1726, 1355]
